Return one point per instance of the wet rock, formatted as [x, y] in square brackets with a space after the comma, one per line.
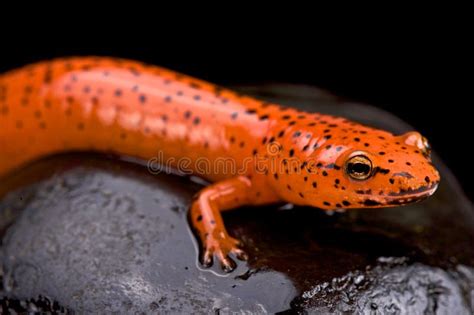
[412, 289]
[88, 234]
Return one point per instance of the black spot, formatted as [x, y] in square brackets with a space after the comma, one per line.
[288, 186]
[306, 147]
[334, 166]
[383, 170]
[301, 195]
[286, 117]
[234, 115]
[187, 114]
[197, 97]
[275, 175]
[254, 152]
[118, 92]
[315, 184]
[291, 123]
[346, 203]
[328, 147]
[392, 181]
[142, 98]
[241, 144]
[292, 152]
[263, 117]
[194, 85]
[370, 202]
[338, 205]
[312, 124]
[325, 173]
[427, 179]
[366, 144]
[5, 110]
[326, 203]
[327, 137]
[180, 93]
[357, 139]
[408, 163]
[196, 121]
[281, 133]
[305, 178]
[250, 111]
[382, 153]
[48, 75]
[168, 99]
[337, 181]
[297, 134]
[391, 161]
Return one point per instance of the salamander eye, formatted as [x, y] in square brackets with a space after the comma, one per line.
[359, 167]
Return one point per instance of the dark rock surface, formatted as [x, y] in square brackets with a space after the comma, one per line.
[87, 234]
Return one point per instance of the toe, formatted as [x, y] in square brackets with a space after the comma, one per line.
[207, 258]
[240, 254]
[227, 264]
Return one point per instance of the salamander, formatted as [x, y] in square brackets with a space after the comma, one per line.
[253, 152]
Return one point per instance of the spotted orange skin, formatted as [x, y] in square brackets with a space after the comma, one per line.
[277, 154]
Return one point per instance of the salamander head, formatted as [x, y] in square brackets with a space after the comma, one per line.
[370, 169]
[391, 170]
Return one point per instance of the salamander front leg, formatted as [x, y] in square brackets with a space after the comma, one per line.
[209, 226]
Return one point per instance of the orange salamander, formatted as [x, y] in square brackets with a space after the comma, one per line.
[271, 153]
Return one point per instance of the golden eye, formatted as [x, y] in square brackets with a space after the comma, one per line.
[359, 167]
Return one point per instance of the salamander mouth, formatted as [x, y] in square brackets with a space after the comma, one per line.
[402, 197]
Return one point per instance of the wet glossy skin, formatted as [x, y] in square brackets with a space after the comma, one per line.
[254, 152]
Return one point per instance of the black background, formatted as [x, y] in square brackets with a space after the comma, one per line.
[422, 75]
